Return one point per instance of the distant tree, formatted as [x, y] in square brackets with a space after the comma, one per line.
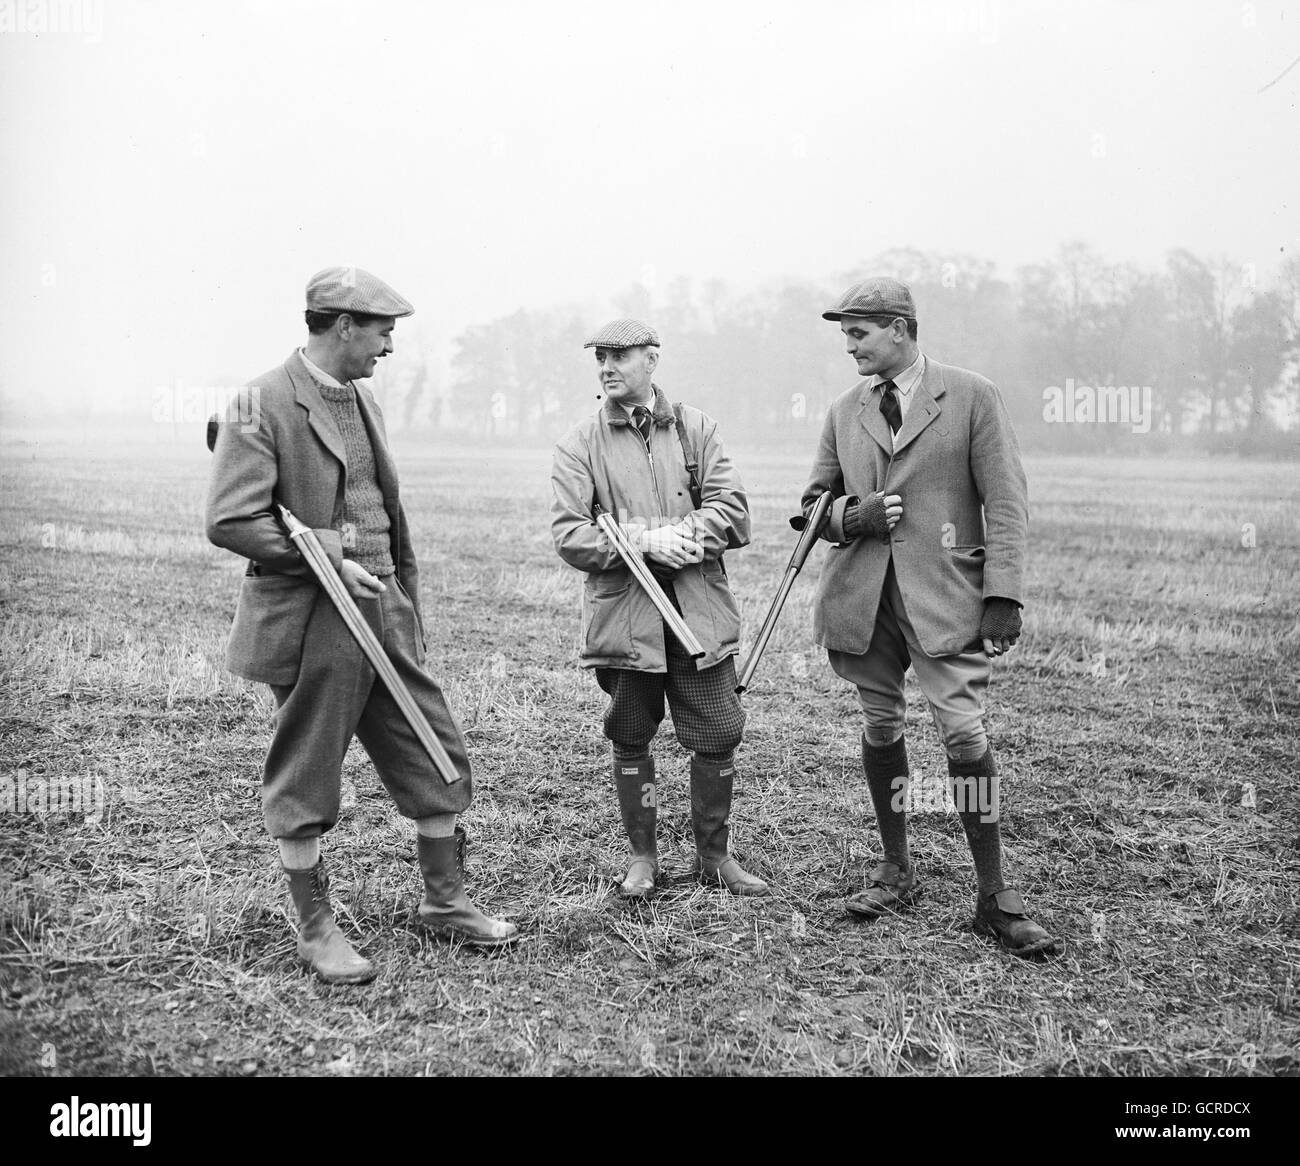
[1204, 295]
[1084, 319]
[482, 379]
[1258, 354]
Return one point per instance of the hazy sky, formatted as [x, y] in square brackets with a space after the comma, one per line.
[172, 173]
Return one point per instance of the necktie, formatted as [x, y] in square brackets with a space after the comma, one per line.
[641, 419]
[889, 406]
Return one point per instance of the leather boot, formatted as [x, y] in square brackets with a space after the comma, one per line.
[1004, 916]
[445, 909]
[634, 780]
[321, 945]
[710, 810]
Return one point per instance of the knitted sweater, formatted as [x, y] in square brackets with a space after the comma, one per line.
[366, 524]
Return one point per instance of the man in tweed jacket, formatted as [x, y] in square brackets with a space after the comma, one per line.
[631, 459]
[929, 527]
[314, 442]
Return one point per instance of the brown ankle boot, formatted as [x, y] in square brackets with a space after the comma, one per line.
[634, 779]
[321, 945]
[446, 910]
[711, 785]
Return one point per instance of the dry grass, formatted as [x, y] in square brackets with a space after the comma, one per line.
[1154, 690]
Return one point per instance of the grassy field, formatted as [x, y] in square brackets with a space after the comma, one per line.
[1147, 727]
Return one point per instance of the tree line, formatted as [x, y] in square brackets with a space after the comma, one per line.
[1090, 355]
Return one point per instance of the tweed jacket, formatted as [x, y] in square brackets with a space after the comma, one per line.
[965, 511]
[287, 449]
[605, 460]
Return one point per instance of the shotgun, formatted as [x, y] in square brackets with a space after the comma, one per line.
[309, 545]
[649, 584]
[809, 529]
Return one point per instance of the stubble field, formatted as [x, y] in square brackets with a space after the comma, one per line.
[1146, 726]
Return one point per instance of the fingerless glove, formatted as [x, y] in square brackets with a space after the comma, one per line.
[866, 516]
[1001, 620]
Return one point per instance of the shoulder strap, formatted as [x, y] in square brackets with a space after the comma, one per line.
[692, 463]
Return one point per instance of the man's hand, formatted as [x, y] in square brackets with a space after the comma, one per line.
[670, 545]
[361, 584]
[1000, 626]
[876, 514]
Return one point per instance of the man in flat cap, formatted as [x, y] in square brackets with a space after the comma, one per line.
[319, 448]
[930, 521]
[661, 471]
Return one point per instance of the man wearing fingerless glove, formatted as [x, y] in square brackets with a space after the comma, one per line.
[929, 524]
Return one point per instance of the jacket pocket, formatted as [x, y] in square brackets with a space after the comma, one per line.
[971, 557]
[968, 564]
[270, 622]
[722, 606]
[607, 616]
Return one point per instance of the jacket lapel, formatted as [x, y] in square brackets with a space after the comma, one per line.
[925, 408]
[318, 414]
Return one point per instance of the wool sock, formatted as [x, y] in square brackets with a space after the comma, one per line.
[975, 794]
[884, 765]
[436, 826]
[299, 853]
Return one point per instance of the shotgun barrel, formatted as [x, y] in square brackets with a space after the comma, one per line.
[307, 542]
[649, 584]
[809, 529]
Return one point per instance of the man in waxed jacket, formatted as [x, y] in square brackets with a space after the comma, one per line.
[660, 470]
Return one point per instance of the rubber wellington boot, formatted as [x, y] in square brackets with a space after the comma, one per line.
[445, 909]
[634, 780]
[711, 785]
[321, 945]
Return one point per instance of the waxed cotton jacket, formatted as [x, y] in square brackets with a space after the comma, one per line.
[965, 511]
[282, 445]
[604, 459]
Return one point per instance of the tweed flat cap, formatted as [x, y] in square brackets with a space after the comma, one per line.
[624, 333]
[349, 289]
[874, 297]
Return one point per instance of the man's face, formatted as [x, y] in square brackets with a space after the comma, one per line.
[625, 373]
[365, 344]
[876, 349]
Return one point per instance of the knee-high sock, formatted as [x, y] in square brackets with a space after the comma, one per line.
[975, 794]
[887, 773]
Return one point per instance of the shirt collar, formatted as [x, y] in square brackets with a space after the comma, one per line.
[319, 373]
[906, 380]
[621, 414]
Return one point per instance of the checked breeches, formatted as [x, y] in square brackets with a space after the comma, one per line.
[707, 714]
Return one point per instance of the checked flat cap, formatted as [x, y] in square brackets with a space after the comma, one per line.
[874, 297]
[349, 289]
[624, 333]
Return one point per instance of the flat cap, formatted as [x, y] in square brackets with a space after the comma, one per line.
[874, 297]
[625, 333]
[349, 289]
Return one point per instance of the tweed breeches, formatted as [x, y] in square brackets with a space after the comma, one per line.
[707, 714]
[337, 694]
